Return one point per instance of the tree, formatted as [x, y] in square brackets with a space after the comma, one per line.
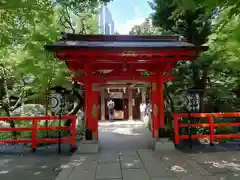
[213, 23]
[24, 30]
[147, 28]
[195, 26]
[13, 28]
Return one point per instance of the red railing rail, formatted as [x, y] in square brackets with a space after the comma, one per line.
[211, 125]
[34, 129]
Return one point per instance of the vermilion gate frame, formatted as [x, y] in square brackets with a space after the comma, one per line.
[101, 59]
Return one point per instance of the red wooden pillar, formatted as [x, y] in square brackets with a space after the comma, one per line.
[130, 104]
[102, 104]
[94, 110]
[158, 107]
[155, 109]
[161, 102]
[91, 106]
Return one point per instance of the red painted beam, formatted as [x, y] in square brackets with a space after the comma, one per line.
[116, 65]
[126, 53]
[151, 67]
[122, 59]
[102, 80]
[91, 56]
[104, 59]
[126, 78]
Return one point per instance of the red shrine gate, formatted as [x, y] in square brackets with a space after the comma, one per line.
[98, 59]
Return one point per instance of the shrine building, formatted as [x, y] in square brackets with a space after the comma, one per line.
[114, 65]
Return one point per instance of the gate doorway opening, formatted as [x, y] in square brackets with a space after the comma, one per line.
[118, 109]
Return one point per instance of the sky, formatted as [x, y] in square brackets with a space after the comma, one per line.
[127, 13]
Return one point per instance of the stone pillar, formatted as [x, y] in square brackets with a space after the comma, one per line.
[130, 104]
[102, 104]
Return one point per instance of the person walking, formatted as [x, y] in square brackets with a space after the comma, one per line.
[149, 114]
[111, 106]
[149, 110]
[142, 110]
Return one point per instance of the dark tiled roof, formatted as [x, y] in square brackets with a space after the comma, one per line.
[121, 42]
[119, 38]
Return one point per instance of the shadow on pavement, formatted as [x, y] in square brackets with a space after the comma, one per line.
[198, 147]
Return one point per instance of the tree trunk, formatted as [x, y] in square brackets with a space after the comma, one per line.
[12, 123]
[169, 98]
[80, 104]
[6, 105]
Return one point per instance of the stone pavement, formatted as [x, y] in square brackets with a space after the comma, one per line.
[124, 135]
[17, 161]
[31, 166]
[149, 165]
[126, 155]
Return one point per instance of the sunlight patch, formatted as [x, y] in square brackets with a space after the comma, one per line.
[126, 131]
[7, 160]
[178, 169]
[4, 172]
[37, 173]
[166, 158]
[76, 162]
[224, 164]
[22, 166]
[64, 166]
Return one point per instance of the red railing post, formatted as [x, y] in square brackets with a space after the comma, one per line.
[74, 132]
[34, 135]
[211, 129]
[176, 129]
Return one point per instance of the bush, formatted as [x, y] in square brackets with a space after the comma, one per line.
[224, 130]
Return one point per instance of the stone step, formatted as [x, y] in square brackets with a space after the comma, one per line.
[88, 146]
[163, 144]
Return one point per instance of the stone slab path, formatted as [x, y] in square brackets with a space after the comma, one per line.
[17, 161]
[126, 155]
[149, 165]
[31, 166]
[124, 135]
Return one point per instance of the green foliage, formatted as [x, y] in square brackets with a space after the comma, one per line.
[147, 28]
[214, 23]
[193, 24]
[25, 27]
[28, 26]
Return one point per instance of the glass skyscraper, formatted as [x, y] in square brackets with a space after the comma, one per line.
[106, 24]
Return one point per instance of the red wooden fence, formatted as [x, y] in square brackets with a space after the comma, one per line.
[211, 125]
[35, 129]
